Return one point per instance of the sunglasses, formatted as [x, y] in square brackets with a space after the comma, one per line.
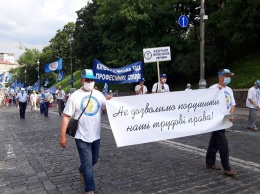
[87, 80]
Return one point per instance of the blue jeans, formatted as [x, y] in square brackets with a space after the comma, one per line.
[46, 108]
[88, 154]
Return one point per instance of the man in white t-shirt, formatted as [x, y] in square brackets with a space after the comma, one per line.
[88, 132]
[33, 99]
[61, 97]
[1, 99]
[141, 89]
[161, 87]
[188, 87]
[218, 140]
[252, 103]
[22, 99]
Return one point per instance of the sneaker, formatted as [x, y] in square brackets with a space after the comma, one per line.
[230, 172]
[81, 176]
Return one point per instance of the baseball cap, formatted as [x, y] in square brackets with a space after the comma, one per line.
[163, 75]
[257, 82]
[45, 88]
[225, 71]
[142, 80]
[188, 85]
[22, 89]
[88, 73]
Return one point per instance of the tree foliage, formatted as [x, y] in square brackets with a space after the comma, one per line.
[116, 31]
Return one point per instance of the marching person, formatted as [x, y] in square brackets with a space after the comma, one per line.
[61, 97]
[141, 89]
[33, 99]
[188, 87]
[218, 140]
[22, 99]
[1, 99]
[252, 103]
[46, 102]
[161, 87]
[87, 137]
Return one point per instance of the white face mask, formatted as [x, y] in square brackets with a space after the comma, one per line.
[89, 86]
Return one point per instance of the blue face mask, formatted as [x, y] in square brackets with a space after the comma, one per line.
[227, 80]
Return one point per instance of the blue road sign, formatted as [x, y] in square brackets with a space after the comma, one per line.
[183, 21]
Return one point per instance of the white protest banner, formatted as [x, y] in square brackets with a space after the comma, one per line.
[157, 54]
[147, 118]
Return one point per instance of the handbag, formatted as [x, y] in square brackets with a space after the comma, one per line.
[73, 123]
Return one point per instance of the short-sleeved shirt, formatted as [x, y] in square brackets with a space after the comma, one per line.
[22, 97]
[60, 94]
[90, 121]
[164, 88]
[144, 91]
[252, 94]
[33, 96]
[229, 96]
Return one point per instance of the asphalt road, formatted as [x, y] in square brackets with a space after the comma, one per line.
[31, 161]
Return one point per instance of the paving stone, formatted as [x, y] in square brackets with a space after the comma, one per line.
[41, 166]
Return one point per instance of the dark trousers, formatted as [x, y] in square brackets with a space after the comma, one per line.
[60, 103]
[46, 108]
[218, 142]
[22, 106]
[41, 107]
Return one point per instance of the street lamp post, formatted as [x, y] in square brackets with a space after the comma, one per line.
[202, 81]
[25, 77]
[38, 68]
[71, 39]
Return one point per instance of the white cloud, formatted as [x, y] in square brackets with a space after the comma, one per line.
[34, 22]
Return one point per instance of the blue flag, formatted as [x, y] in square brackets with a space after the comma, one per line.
[8, 78]
[2, 77]
[60, 76]
[127, 74]
[46, 82]
[106, 87]
[71, 80]
[36, 86]
[56, 65]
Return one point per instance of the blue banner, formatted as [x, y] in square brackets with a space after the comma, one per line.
[56, 65]
[127, 74]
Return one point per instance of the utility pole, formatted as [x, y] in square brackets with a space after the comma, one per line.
[202, 81]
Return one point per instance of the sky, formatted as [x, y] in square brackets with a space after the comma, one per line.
[32, 23]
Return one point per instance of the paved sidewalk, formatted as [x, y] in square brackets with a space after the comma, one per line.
[31, 161]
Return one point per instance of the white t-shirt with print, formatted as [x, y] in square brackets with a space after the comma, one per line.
[137, 87]
[90, 121]
[164, 88]
[229, 96]
[252, 94]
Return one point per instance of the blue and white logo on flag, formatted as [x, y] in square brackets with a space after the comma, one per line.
[60, 76]
[56, 65]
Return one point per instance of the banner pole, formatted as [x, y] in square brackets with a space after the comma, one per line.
[158, 72]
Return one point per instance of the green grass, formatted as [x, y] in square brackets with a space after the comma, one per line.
[247, 71]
